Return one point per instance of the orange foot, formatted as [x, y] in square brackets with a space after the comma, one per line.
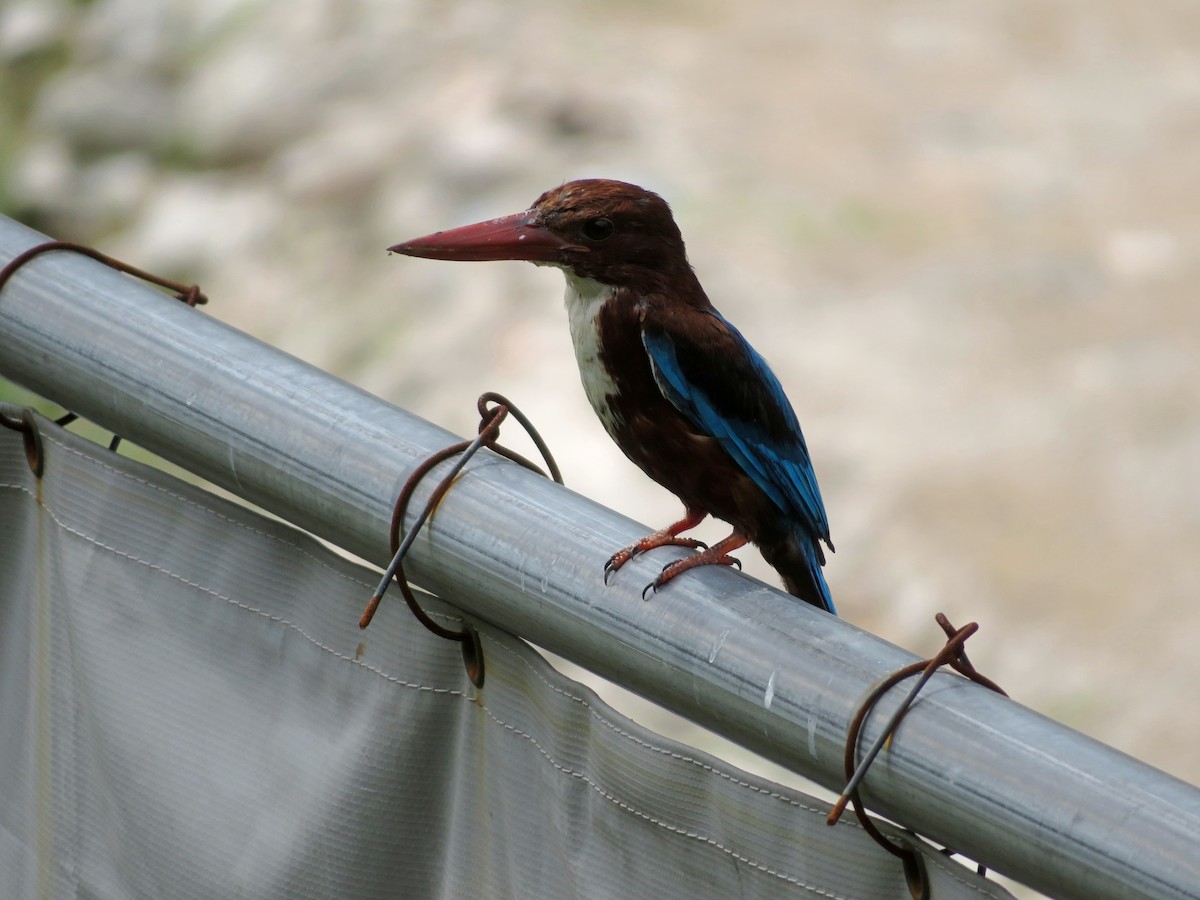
[716, 555]
[666, 537]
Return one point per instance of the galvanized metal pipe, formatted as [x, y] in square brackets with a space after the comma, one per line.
[1019, 792]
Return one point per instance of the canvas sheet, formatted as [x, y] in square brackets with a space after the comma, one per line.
[188, 709]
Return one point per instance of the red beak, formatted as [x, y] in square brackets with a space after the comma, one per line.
[517, 236]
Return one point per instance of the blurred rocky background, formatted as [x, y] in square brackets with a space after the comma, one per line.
[964, 232]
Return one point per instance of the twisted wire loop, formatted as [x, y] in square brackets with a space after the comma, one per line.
[25, 423]
[952, 654]
[186, 293]
[493, 410]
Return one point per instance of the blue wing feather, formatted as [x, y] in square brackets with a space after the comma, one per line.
[777, 460]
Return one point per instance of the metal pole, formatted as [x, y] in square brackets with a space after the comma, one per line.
[1031, 798]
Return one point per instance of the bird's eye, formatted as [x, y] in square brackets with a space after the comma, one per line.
[598, 229]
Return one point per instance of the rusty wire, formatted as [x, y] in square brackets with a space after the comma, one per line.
[186, 293]
[952, 654]
[490, 419]
[26, 423]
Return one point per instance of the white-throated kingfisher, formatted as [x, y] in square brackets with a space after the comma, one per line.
[674, 383]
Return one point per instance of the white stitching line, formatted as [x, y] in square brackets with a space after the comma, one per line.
[187, 501]
[954, 871]
[674, 829]
[162, 570]
[708, 767]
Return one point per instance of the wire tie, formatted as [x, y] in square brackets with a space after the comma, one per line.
[951, 654]
[491, 418]
[186, 293]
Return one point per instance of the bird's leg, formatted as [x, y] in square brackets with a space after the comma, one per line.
[716, 555]
[665, 537]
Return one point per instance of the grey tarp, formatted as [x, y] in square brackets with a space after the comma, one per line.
[188, 709]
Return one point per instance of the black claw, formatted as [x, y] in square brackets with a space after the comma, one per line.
[651, 588]
[734, 561]
[611, 568]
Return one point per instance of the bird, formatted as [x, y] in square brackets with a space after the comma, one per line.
[674, 383]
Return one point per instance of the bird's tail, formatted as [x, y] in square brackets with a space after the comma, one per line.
[799, 558]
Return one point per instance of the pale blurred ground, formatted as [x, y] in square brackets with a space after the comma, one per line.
[965, 233]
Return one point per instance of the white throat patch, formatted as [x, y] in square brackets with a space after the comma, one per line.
[583, 300]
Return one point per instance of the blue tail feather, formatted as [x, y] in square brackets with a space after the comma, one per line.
[798, 559]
